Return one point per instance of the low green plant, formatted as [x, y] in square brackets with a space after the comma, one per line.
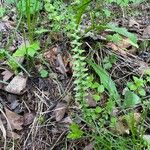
[131, 99]
[105, 80]
[108, 61]
[75, 132]
[121, 32]
[26, 51]
[4, 55]
[43, 73]
[34, 5]
[97, 89]
[41, 119]
[148, 75]
[137, 85]
[56, 14]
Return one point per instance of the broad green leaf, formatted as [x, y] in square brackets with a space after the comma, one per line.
[124, 31]
[107, 12]
[114, 38]
[98, 109]
[132, 86]
[101, 88]
[141, 91]
[96, 97]
[131, 99]
[95, 85]
[32, 49]
[27, 50]
[138, 81]
[148, 79]
[105, 80]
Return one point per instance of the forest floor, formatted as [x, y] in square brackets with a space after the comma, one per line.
[37, 101]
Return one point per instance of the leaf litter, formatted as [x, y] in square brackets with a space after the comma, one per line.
[54, 111]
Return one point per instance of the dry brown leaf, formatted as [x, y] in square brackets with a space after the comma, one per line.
[91, 102]
[116, 48]
[123, 44]
[61, 67]
[137, 117]
[28, 118]
[51, 55]
[67, 120]
[122, 125]
[17, 85]
[142, 67]
[122, 128]
[68, 98]
[89, 147]
[57, 59]
[13, 135]
[146, 32]
[60, 111]
[7, 75]
[16, 121]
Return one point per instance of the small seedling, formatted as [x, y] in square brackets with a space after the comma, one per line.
[27, 51]
[75, 132]
[137, 85]
[109, 61]
[44, 73]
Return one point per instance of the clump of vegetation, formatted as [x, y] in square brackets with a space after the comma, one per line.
[110, 117]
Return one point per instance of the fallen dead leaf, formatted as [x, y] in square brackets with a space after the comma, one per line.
[51, 55]
[137, 117]
[122, 45]
[60, 111]
[67, 120]
[16, 121]
[91, 102]
[17, 85]
[58, 59]
[143, 66]
[28, 118]
[89, 147]
[61, 67]
[13, 135]
[7, 75]
[146, 32]
[2, 26]
[122, 125]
